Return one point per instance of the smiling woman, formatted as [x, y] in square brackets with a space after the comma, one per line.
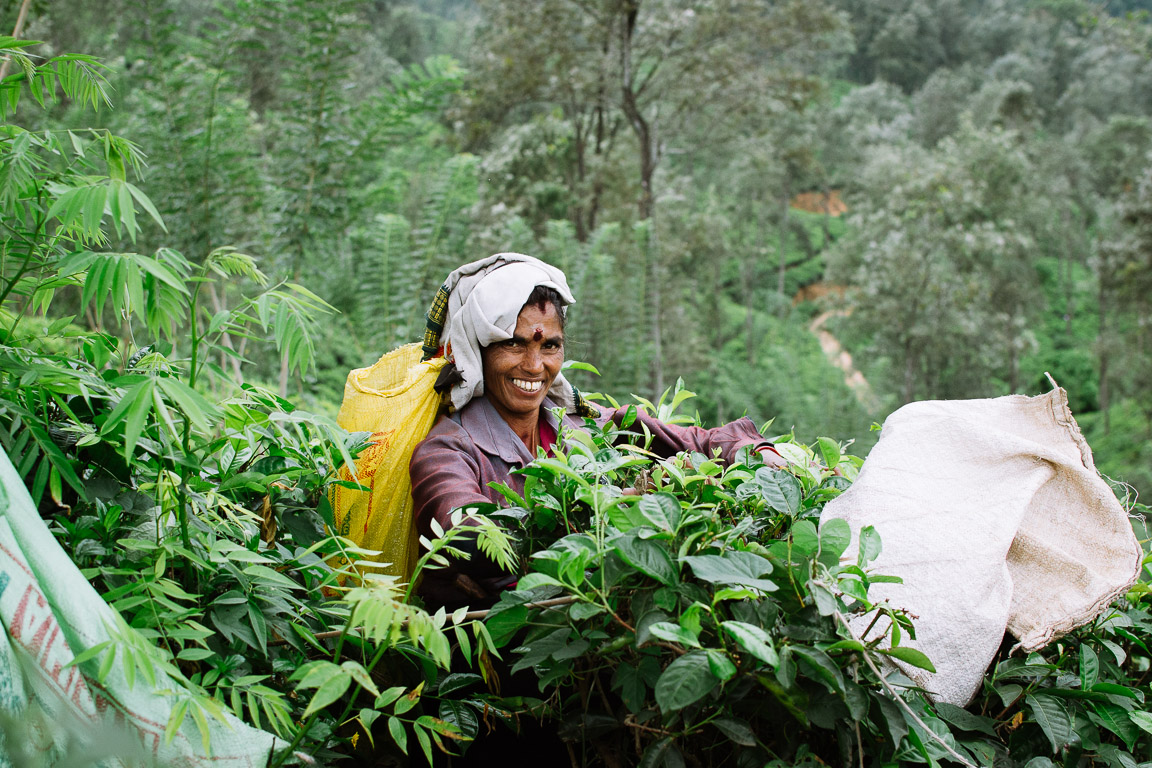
[504, 338]
[519, 371]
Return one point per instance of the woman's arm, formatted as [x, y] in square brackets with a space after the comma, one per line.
[446, 476]
[670, 439]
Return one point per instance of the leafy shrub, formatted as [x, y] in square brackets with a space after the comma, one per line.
[706, 617]
[194, 505]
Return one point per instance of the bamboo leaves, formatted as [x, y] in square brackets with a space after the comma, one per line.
[132, 410]
[78, 77]
[290, 313]
[132, 284]
[144, 395]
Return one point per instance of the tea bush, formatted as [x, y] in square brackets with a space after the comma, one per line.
[707, 619]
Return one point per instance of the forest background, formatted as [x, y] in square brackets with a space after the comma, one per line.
[951, 196]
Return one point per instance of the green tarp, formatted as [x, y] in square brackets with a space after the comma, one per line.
[56, 715]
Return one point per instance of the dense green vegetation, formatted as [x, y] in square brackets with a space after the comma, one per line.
[992, 156]
[208, 223]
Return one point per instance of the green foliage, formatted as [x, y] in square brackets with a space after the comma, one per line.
[329, 142]
[705, 610]
[77, 76]
[1000, 198]
[195, 506]
[944, 283]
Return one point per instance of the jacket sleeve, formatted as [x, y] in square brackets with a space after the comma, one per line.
[446, 476]
[670, 439]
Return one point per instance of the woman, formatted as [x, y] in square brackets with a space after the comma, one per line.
[505, 338]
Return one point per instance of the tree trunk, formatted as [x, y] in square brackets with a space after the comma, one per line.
[826, 222]
[1102, 347]
[909, 372]
[656, 276]
[226, 338]
[283, 388]
[1069, 300]
[645, 140]
[576, 186]
[749, 317]
[1014, 368]
[748, 273]
[16, 34]
[631, 107]
[602, 133]
[785, 204]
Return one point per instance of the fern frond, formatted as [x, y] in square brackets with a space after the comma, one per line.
[387, 295]
[291, 313]
[228, 262]
[495, 542]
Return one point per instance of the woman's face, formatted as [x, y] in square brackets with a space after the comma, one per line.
[519, 371]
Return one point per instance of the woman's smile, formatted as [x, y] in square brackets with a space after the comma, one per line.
[519, 370]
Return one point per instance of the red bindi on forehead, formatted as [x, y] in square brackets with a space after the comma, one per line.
[537, 334]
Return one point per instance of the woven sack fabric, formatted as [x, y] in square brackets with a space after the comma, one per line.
[993, 514]
[395, 401]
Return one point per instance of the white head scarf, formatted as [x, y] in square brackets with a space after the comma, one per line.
[484, 302]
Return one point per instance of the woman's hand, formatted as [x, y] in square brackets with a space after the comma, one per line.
[771, 458]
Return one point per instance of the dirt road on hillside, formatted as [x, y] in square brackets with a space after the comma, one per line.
[840, 358]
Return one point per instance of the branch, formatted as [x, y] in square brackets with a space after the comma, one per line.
[470, 616]
[15, 34]
[898, 699]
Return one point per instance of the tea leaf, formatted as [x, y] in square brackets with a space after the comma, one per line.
[660, 509]
[736, 730]
[870, 546]
[646, 556]
[685, 681]
[754, 640]
[673, 633]
[835, 536]
[910, 656]
[1052, 717]
[779, 490]
[737, 568]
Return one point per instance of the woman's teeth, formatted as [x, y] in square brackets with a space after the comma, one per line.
[527, 386]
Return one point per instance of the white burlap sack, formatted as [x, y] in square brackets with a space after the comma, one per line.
[994, 516]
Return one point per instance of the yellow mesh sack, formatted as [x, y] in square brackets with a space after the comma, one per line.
[393, 400]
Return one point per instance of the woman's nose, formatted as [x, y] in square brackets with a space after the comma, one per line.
[533, 361]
